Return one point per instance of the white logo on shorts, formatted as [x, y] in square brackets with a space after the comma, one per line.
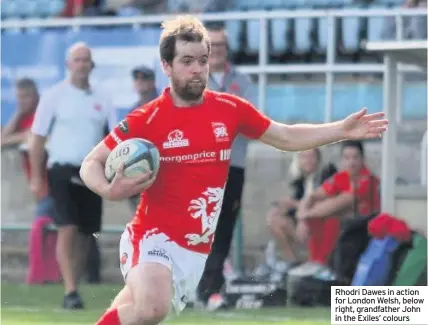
[159, 252]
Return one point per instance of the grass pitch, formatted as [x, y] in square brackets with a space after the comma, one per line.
[37, 305]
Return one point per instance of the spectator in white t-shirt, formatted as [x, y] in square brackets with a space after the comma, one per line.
[75, 117]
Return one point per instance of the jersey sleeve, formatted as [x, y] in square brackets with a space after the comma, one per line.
[252, 123]
[132, 126]
[45, 113]
[332, 185]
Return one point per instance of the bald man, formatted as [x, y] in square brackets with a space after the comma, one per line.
[75, 117]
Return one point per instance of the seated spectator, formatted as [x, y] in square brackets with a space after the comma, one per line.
[308, 173]
[17, 129]
[351, 192]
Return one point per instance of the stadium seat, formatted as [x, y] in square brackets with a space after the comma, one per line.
[253, 35]
[392, 3]
[233, 28]
[249, 4]
[279, 31]
[375, 25]
[9, 9]
[302, 36]
[322, 34]
[338, 3]
[27, 8]
[296, 102]
[272, 4]
[56, 7]
[350, 33]
[319, 3]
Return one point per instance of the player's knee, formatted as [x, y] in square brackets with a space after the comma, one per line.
[153, 313]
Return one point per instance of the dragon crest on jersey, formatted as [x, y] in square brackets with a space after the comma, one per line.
[220, 132]
[212, 199]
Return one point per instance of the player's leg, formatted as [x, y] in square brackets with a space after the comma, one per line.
[146, 298]
[282, 229]
[124, 297]
[89, 223]
[65, 217]
[64, 252]
[150, 289]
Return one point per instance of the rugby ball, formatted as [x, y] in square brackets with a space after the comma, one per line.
[138, 155]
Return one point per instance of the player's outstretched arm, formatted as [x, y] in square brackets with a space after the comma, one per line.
[300, 137]
[92, 174]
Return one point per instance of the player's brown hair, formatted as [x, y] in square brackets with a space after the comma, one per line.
[183, 28]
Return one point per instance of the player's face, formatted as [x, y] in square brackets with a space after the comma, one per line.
[352, 160]
[218, 55]
[80, 63]
[308, 161]
[26, 99]
[189, 69]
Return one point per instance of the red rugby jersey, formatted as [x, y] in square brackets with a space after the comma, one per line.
[366, 189]
[195, 148]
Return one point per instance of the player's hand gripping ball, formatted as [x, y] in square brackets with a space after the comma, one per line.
[139, 156]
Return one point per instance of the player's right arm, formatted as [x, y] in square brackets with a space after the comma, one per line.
[42, 124]
[92, 169]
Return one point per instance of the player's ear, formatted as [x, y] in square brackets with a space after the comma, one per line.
[166, 67]
[92, 65]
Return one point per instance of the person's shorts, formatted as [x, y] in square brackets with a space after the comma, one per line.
[74, 203]
[186, 266]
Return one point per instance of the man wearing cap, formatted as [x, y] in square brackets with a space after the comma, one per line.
[223, 77]
[144, 85]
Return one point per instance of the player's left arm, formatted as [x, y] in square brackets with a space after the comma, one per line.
[301, 137]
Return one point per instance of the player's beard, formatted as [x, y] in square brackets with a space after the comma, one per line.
[188, 90]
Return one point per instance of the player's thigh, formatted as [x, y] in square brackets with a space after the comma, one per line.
[65, 209]
[151, 287]
[146, 267]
